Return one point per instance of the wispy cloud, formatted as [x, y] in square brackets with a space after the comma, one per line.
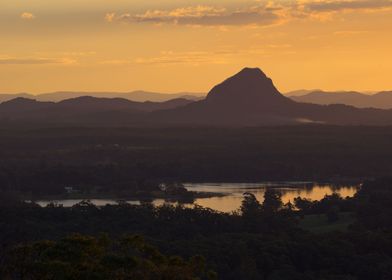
[71, 54]
[36, 61]
[200, 16]
[195, 58]
[27, 16]
[170, 57]
[109, 17]
[347, 5]
[328, 9]
[117, 61]
[192, 58]
[349, 32]
[225, 55]
[262, 13]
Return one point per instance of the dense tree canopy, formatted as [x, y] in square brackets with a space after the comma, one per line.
[84, 257]
[253, 243]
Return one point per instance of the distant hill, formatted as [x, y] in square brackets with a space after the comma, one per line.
[21, 105]
[88, 103]
[300, 92]
[81, 108]
[139, 96]
[249, 98]
[382, 100]
[6, 97]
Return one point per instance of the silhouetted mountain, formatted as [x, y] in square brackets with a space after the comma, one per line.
[23, 105]
[138, 96]
[250, 88]
[382, 100]
[7, 97]
[88, 103]
[248, 98]
[81, 107]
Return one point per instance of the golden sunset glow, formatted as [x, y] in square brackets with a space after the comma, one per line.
[170, 46]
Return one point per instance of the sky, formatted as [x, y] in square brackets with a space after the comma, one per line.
[186, 45]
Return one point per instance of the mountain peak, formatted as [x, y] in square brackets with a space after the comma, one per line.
[20, 100]
[255, 72]
[248, 88]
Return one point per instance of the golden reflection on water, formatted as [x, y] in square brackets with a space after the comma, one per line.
[234, 194]
[233, 201]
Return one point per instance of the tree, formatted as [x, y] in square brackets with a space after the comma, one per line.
[250, 206]
[251, 212]
[272, 201]
[303, 204]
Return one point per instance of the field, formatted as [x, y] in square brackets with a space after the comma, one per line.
[320, 224]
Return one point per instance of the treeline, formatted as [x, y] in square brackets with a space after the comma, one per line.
[45, 160]
[259, 241]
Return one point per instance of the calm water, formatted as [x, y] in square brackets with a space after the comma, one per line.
[234, 194]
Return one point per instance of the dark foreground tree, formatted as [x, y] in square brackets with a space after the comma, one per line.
[250, 206]
[84, 257]
[272, 201]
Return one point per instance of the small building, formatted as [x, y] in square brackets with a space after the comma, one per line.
[70, 190]
[173, 189]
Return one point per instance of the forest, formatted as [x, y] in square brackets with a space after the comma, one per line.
[41, 160]
[259, 241]
[334, 238]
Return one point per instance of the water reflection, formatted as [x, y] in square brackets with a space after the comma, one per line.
[234, 194]
[289, 191]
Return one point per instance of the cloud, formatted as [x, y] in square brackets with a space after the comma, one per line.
[195, 58]
[225, 55]
[261, 13]
[347, 5]
[201, 16]
[27, 16]
[109, 17]
[349, 32]
[35, 61]
[327, 9]
[117, 62]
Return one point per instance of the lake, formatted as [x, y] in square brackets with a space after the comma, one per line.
[234, 194]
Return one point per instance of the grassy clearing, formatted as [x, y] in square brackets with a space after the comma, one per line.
[320, 223]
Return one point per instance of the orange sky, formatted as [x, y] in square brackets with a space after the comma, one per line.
[184, 45]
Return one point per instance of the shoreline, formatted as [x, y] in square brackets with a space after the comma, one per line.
[187, 197]
[119, 197]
